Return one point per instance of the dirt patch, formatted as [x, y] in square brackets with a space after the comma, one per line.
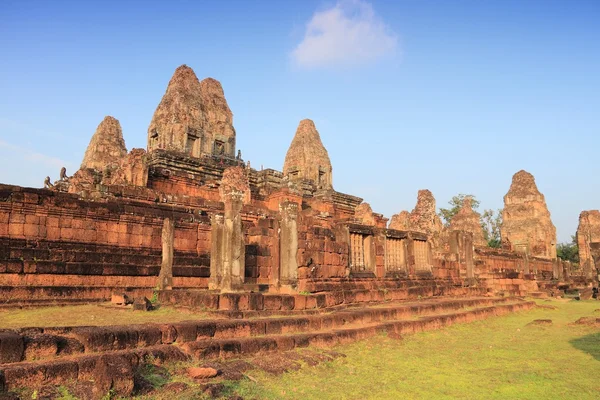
[277, 364]
[540, 322]
[547, 307]
[589, 321]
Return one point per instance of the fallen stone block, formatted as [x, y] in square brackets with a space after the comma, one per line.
[12, 347]
[120, 299]
[142, 304]
[202, 373]
[114, 374]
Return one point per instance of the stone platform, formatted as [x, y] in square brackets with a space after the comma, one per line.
[38, 356]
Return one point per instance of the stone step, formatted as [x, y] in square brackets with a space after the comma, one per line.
[247, 305]
[250, 346]
[81, 367]
[57, 342]
[57, 371]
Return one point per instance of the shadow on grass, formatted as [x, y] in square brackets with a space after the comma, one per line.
[589, 344]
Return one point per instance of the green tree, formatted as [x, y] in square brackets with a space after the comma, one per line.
[491, 220]
[456, 203]
[569, 251]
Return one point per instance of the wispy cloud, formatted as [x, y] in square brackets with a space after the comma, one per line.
[349, 34]
[33, 156]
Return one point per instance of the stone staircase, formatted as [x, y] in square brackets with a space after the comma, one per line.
[33, 357]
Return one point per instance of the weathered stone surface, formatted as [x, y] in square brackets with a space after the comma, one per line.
[235, 180]
[423, 218]
[588, 235]
[526, 225]
[119, 299]
[107, 146]
[400, 221]
[113, 373]
[218, 115]
[193, 118]
[202, 373]
[11, 347]
[364, 214]
[468, 220]
[142, 304]
[307, 158]
[131, 170]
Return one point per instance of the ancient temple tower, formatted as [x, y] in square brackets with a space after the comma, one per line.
[526, 225]
[193, 118]
[307, 158]
[468, 220]
[106, 148]
[588, 241]
[423, 218]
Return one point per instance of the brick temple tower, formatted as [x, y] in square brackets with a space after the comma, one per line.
[193, 118]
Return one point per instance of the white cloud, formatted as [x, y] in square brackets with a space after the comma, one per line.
[349, 34]
[30, 155]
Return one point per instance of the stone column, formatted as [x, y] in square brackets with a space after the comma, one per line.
[217, 239]
[233, 244]
[288, 244]
[410, 256]
[165, 278]
[556, 268]
[468, 251]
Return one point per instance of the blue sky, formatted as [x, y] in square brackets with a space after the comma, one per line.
[452, 96]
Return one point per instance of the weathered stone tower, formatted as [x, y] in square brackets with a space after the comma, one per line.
[468, 220]
[193, 118]
[526, 226]
[588, 241]
[307, 158]
[106, 148]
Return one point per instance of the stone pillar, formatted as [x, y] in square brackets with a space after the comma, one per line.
[370, 253]
[526, 264]
[410, 256]
[217, 225]
[234, 249]
[288, 245]
[556, 269]
[468, 250]
[165, 278]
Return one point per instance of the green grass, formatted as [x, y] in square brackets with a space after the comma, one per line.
[90, 314]
[498, 358]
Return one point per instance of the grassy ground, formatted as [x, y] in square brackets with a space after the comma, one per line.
[499, 358]
[91, 314]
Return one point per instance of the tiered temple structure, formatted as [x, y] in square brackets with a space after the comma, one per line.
[187, 220]
[189, 214]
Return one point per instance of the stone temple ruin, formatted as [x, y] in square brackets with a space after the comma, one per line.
[189, 218]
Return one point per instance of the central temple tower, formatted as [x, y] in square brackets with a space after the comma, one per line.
[193, 118]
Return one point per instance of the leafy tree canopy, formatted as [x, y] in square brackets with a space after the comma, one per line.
[569, 251]
[491, 220]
